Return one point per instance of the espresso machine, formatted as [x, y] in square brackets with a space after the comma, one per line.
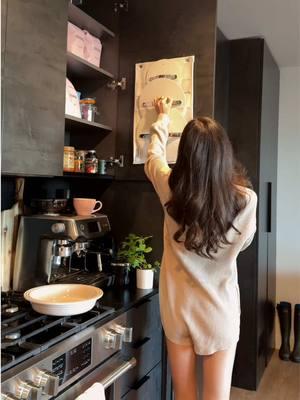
[63, 249]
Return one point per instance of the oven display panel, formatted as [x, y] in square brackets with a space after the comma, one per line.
[75, 360]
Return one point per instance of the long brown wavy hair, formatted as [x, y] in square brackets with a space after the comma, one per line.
[204, 183]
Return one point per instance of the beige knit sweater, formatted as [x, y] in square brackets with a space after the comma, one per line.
[199, 297]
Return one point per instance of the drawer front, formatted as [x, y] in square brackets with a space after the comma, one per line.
[145, 318]
[146, 388]
[146, 345]
[147, 352]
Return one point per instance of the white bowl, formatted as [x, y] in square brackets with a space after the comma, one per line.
[63, 299]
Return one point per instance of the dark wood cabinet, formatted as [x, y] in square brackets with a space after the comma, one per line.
[144, 382]
[33, 96]
[250, 110]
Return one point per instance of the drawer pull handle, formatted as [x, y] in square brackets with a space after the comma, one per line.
[140, 383]
[140, 343]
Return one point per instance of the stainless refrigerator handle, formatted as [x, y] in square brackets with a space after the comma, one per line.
[118, 372]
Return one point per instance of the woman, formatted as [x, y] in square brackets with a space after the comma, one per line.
[210, 216]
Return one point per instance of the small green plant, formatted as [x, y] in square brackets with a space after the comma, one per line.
[134, 249]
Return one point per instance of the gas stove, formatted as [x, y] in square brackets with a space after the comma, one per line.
[25, 333]
[44, 355]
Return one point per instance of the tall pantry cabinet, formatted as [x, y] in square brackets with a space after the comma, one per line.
[247, 95]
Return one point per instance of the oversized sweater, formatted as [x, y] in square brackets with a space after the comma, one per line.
[199, 297]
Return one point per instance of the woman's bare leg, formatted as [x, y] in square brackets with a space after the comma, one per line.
[183, 366]
[217, 374]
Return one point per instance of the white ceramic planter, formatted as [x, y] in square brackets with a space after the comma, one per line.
[144, 278]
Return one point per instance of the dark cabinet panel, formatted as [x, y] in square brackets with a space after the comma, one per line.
[268, 179]
[253, 129]
[34, 87]
[146, 344]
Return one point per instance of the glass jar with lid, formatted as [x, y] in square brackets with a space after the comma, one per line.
[91, 162]
[88, 109]
[69, 153]
[79, 162]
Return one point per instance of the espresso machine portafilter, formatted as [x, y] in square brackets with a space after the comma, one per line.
[50, 248]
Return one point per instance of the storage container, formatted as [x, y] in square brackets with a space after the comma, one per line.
[76, 40]
[92, 49]
[69, 153]
[72, 106]
[88, 109]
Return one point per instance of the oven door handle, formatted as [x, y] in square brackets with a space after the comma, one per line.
[118, 372]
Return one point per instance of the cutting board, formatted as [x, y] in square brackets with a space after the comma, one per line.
[9, 232]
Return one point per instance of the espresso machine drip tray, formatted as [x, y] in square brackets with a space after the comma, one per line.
[98, 279]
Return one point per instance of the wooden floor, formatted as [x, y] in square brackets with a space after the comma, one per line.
[281, 381]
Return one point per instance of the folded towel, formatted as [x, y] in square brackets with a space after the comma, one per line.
[95, 392]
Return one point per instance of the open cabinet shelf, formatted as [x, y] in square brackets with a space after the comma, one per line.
[79, 68]
[77, 175]
[85, 21]
[73, 124]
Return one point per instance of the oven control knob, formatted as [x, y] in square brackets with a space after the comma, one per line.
[28, 390]
[124, 331]
[47, 381]
[58, 227]
[112, 339]
[8, 396]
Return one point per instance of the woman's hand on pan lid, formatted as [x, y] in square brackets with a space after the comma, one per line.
[163, 105]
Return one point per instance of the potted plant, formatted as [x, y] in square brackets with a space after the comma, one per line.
[134, 251]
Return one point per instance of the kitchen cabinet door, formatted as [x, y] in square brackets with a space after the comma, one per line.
[151, 30]
[33, 92]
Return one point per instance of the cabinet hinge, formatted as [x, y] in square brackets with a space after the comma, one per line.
[113, 85]
[77, 2]
[121, 5]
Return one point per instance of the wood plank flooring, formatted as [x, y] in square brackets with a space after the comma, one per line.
[281, 381]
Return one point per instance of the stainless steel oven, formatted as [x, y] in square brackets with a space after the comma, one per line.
[66, 369]
[108, 374]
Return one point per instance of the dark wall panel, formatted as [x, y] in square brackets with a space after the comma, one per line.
[222, 80]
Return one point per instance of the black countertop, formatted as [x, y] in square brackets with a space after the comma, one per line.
[122, 299]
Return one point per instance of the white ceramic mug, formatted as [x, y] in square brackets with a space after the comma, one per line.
[86, 206]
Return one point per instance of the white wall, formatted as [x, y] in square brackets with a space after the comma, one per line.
[288, 191]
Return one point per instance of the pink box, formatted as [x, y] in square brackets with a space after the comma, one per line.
[92, 49]
[76, 40]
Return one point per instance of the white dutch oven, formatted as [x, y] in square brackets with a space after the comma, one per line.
[63, 299]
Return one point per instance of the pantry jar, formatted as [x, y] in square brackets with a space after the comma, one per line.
[79, 163]
[88, 109]
[69, 153]
[91, 162]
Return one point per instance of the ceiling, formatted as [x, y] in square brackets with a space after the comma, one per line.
[278, 21]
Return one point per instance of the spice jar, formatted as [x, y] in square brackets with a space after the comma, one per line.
[88, 108]
[79, 162]
[91, 162]
[69, 153]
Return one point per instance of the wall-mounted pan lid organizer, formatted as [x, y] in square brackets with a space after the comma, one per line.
[170, 78]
